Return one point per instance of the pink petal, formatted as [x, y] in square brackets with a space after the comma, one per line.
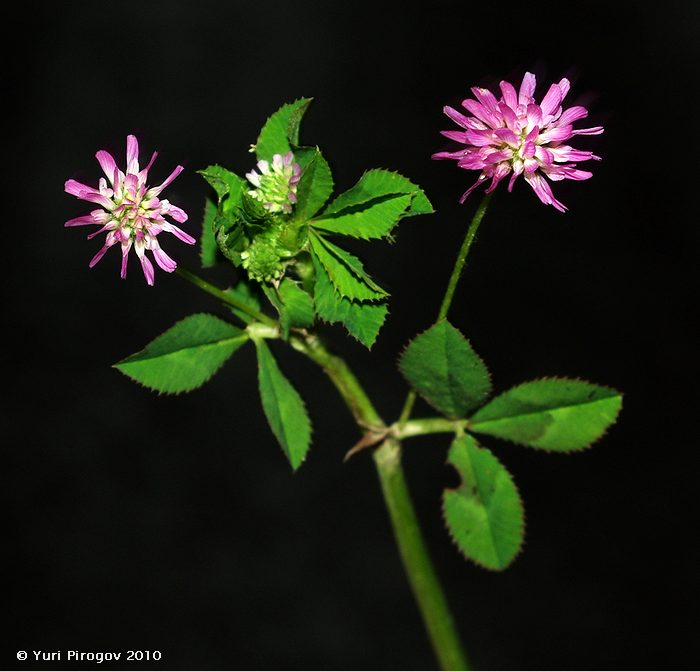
[125, 258]
[564, 85]
[471, 188]
[534, 115]
[76, 188]
[176, 213]
[543, 190]
[87, 193]
[163, 260]
[595, 130]
[442, 155]
[527, 89]
[178, 233]
[107, 163]
[481, 113]
[507, 136]
[148, 271]
[154, 191]
[456, 135]
[81, 221]
[544, 155]
[572, 114]
[509, 96]
[132, 154]
[556, 134]
[509, 117]
[480, 138]
[456, 116]
[486, 98]
[501, 171]
[511, 181]
[551, 101]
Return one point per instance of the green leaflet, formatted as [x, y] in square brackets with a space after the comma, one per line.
[374, 219]
[294, 305]
[484, 515]
[283, 407]
[442, 367]
[362, 320]
[345, 271]
[315, 185]
[208, 249]
[557, 414]
[246, 294]
[185, 356]
[378, 183]
[280, 133]
[228, 186]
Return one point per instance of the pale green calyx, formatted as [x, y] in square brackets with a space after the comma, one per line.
[276, 183]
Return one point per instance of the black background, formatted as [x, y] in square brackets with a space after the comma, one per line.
[174, 524]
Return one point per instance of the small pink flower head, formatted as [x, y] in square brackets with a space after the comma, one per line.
[276, 185]
[132, 214]
[512, 135]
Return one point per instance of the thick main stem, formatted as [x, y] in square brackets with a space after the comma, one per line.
[409, 538]
[414, 555]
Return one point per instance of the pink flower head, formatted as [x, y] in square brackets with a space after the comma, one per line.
[515, 136]
[132, 214]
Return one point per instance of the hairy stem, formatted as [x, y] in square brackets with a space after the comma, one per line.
[462, 256]
[460, 262]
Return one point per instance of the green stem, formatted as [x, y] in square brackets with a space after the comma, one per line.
[345, 382]
[419, 569]
[412, 548]
[224, 297]
[427, 425]
[409, 538]
[451, 287]
[462, 256]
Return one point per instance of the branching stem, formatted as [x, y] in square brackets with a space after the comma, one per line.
[387, 458]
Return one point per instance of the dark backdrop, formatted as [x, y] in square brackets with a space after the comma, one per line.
[174, 524]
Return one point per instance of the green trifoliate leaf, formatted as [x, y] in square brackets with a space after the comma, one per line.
[280, 133]
[294, 305]
[484, 515]
[245, 293]
[229, 187]
[208, 249]
[315, 185]
[557, 414]
[373, 219]
[284, 408]
[345, 271]
[379, 183]
[362, 320]
[442, 367]
[185, 356]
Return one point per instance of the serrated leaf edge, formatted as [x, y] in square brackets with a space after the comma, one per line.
[588, 446]
[412, 340]
[456, 489]
[116, 365]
